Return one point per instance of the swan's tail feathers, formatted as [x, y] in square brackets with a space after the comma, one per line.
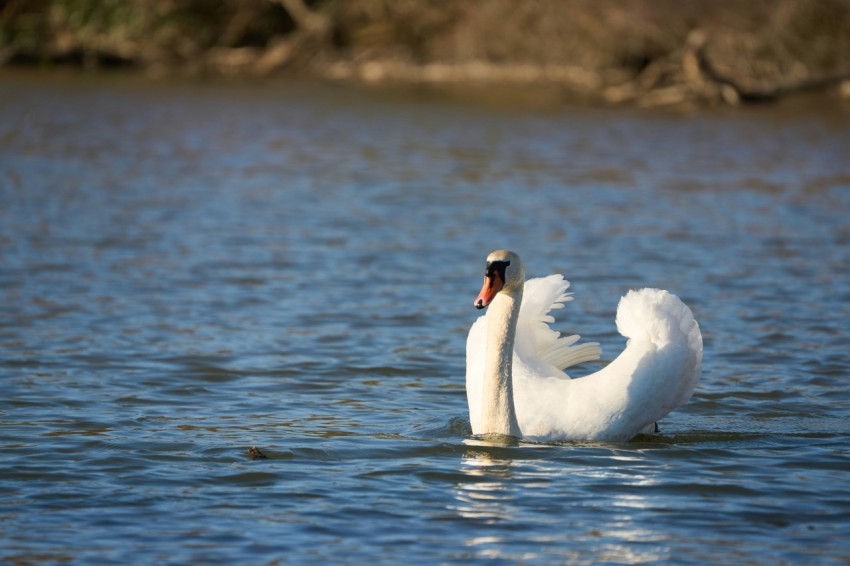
[659, 318]
[562, 354]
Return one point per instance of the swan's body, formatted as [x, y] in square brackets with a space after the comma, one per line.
[515, 381]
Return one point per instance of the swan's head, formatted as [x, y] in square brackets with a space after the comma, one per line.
[504, 274]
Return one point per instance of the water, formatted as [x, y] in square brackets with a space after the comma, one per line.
[189, 270]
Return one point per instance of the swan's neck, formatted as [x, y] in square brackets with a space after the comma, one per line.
[498, 414]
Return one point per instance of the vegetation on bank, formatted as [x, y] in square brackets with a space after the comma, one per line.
[645, 52]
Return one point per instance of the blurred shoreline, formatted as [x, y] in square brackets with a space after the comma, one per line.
[637, 53]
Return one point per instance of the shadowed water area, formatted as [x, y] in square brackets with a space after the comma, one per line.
[188, 270]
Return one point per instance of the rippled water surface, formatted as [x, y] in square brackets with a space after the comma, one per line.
[190, 270]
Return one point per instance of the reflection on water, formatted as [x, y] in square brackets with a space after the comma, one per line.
[489, 497]
[187, 270]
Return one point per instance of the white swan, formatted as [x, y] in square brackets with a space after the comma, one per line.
[515, 383]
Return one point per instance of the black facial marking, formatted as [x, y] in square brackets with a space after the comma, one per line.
[496, 267]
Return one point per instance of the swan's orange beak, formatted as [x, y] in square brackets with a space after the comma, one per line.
[493, 283]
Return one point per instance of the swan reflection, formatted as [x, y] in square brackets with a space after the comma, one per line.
[509, 503]
[487, 496]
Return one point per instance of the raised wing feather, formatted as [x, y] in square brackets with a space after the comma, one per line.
[534, 335]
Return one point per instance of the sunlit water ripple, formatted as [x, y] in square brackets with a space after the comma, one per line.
[189, 270]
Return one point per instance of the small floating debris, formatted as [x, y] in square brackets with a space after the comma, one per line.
[255, 453]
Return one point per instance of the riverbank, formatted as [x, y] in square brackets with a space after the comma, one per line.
[633, 52]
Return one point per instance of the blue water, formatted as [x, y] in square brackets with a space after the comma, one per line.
[188, 270]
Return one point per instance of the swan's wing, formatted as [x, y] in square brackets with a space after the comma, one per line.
[654, 374]
[535, 339]
[666, 326]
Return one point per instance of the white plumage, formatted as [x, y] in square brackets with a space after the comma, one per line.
[657, 371]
